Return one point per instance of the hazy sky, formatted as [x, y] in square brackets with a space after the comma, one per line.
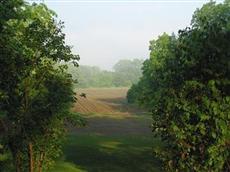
[104, 32]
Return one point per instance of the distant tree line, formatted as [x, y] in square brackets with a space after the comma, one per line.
[35, 94]
[186, 86]
[124, 74]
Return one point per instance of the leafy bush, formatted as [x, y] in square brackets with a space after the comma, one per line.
[132, 94]
[187, 81]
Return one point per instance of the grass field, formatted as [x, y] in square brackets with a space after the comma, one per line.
[117, 138]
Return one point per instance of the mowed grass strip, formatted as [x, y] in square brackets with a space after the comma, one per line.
[62, 166]
[94, 153]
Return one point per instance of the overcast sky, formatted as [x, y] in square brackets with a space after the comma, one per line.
[104, 32]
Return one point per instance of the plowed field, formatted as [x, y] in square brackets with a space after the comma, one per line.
[104, 101]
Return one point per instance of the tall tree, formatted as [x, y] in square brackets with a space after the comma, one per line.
[127, 72]
[186, 85]
[35, 95]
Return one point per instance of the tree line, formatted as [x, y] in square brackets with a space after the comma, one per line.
[36, 91]
[186, 85]
[125, 73]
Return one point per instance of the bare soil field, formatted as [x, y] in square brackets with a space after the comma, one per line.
[104, 101]
[108, 113]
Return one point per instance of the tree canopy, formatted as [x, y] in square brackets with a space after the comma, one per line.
[126, 73]
[35, 94]
[185, 84]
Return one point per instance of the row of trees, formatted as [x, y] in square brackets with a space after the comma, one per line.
[35, 93]
[125, 73]
[186, 86]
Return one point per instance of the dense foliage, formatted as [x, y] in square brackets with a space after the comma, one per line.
[35, 94]
[91, 76]
[186, 85]
[126, 73]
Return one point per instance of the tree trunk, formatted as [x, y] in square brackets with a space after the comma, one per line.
[40, 162]
[18, 162]
[16, 154]
[31, 162]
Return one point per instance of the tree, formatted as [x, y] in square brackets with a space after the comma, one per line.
[187, 90]
[127, 72]
[36, 95]
[154, 72]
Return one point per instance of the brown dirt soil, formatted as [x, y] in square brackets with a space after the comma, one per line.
[108, 113]
[104, 101]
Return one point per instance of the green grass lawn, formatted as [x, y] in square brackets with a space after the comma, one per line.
[95, 153]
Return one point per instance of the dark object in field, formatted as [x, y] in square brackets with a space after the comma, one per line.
[83, 95]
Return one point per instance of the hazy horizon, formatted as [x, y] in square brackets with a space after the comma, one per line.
[102, 33]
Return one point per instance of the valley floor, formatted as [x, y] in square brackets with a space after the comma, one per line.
[117, 137]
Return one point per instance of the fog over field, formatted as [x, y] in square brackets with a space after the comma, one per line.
[103, 32]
